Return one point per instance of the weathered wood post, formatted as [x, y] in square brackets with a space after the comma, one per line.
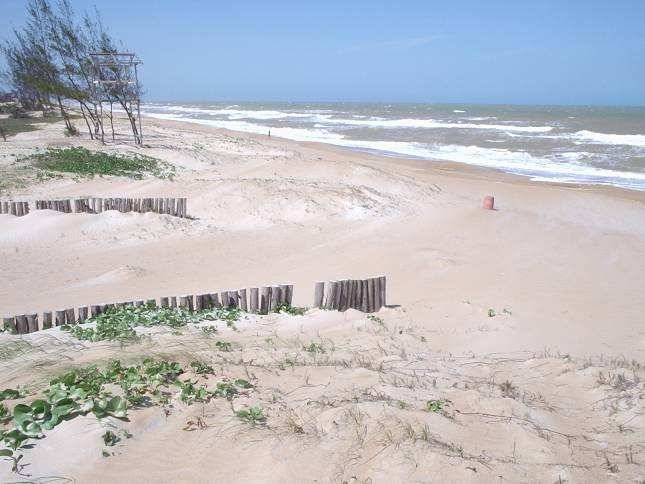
[164, 302]
[383, 291]
[215, 300]
[186, 302]
[47, 320]
[60, 317]
[151, 303]
[254, 300]
[199, 302]
[95, 310]
[224, 297]
[276, 296]
[365, 298]
[173, 302]
[69, 316]
[329, 295]
[265, 296]
[207, 302]
[22, 325]
[232, 299]
[82, 314]
[241, 295]
[319, 294]
[32, 323]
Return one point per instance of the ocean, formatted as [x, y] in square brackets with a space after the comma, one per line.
[589, 145]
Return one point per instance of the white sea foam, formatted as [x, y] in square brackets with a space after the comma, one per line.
[458, 111]
[432, 124]
[610, 139]
[260, 114]
[566, 166]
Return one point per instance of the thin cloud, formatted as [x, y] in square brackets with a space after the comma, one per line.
[401, 44]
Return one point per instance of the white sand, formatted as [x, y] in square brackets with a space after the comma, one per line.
[566, 262]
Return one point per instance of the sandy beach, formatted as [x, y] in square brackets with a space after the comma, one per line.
[561, 266]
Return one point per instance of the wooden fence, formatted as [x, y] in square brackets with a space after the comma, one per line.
[176, 207]
[255, 300]
[14, 208]
[367, 295]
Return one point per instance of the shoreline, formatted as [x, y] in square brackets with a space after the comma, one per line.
[440, 166]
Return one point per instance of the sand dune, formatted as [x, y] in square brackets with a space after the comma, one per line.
[562, 267]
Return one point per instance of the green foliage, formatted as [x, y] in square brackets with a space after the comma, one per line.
[117, 324]
[314, 348]
[110, 438]
[201, 368]
[491, 313]
[5, 414]
[435, 406]
[253, 415]
[376, 319]
[289, 309]
[223, 345]
[84, 162]
[83, 390]
[9, 394]
[209, 330]
[13, 126]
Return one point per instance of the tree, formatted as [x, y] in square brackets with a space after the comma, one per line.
[49, 61]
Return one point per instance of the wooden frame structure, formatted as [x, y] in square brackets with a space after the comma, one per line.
[124, 69]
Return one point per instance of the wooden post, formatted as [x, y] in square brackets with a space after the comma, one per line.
[241, 296]
[284, 294]
[358, 297]
[32, 323]
[186, 302]
[232, 299]
[371, 297]
[164, 302]
[199, 302]
[215, 300]
[254, 300]
[224, 297]
[69, 316]
[9, 324]
[206, 301]
[47, 320]
[338, 295]
[22, 325]
[329, 295]
[151, 303]
[95, 310]
[265, 295]
[276, 295]
[319, 294]
[82, 314]
[383, 291]
[365, 298]
[173, 302]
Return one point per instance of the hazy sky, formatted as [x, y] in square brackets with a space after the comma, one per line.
[489, 51]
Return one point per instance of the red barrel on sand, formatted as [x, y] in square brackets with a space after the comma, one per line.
[489, 202]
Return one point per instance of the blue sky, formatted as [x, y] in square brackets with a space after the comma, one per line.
[486, 51]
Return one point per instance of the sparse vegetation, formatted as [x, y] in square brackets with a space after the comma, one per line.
[253, 415]
[81, 161]
[90, 390]
[119, 323]
[314, 348]
[435, 406]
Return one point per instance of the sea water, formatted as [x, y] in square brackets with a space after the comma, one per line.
[575, 144]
